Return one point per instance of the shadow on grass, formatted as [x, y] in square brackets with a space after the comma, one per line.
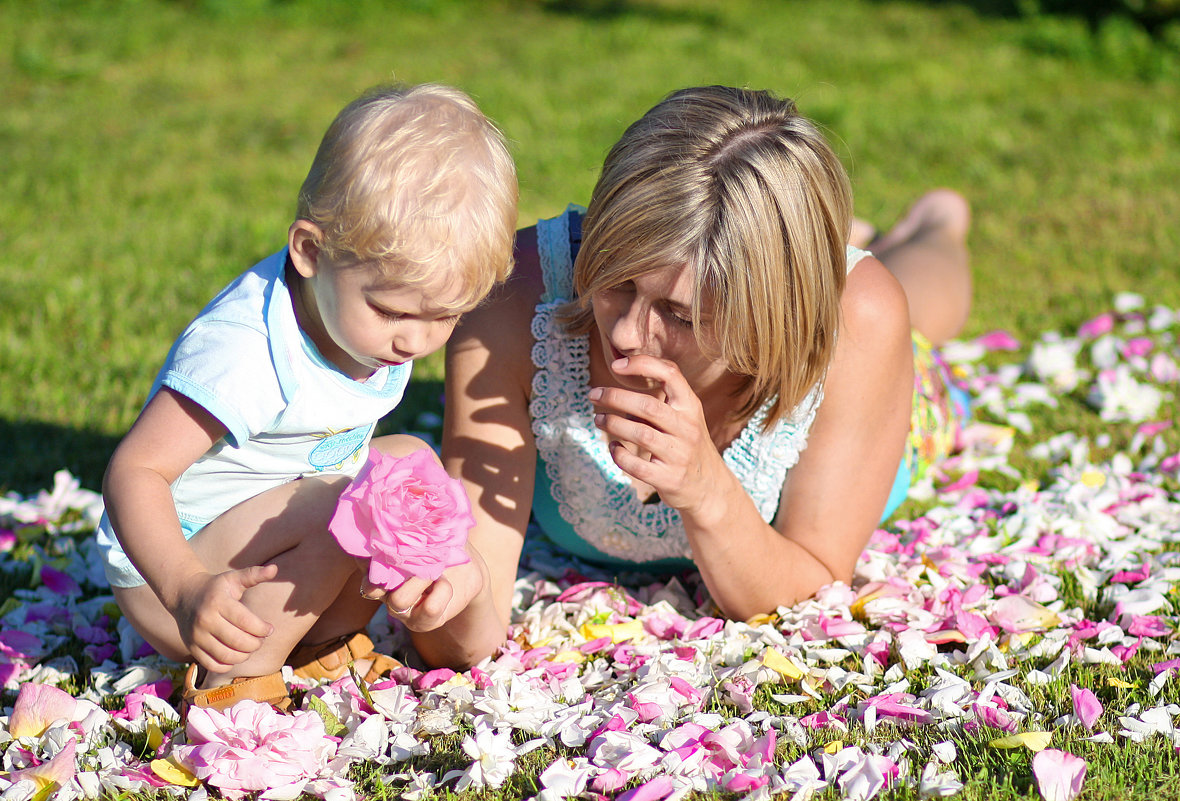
[1152, 15]
[34, 451]
[611, 9]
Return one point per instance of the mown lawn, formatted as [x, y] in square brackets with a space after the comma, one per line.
[152, 150]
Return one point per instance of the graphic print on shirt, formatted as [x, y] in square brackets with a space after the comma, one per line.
[338, 447]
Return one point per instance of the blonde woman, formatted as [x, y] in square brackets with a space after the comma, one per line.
[699, 372]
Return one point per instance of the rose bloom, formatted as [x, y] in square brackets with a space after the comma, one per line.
[406, 515]
[252, 746]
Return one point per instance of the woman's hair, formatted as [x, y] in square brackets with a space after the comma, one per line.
[418, 180]
[748, 193]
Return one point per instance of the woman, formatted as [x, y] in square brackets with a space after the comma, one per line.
[698, 372]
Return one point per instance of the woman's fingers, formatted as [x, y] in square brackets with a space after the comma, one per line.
[676, 391]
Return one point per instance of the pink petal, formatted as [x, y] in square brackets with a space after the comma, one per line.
[1102, 324]
[1086, 706]
[610, 780]
[658, 788]
[1160, 667]
[1015, 613]
[20, 645]
[58, 582]
[1147, 626]
[1139, 346]
[37, 707]
[57, 772]
[994, 717]
[968, 479]
[1059, 774]
[998, 340]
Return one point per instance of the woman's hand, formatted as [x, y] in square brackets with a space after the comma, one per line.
[426, 605]
[661, 438]
[219, 630]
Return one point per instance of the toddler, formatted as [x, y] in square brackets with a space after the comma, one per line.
[215, 536]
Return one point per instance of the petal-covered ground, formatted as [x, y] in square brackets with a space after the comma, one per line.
[1020, 587]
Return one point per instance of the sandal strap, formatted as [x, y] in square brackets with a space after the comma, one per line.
[268, 689]
[329, 660]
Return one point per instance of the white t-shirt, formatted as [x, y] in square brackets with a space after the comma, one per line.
[289, 412]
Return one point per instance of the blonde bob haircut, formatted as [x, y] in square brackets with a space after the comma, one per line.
[748, 193]
[418, 180]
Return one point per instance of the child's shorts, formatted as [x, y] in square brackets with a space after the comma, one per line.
[941, 409]
[117, 567]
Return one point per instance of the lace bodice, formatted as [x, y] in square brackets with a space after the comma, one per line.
[596, 500]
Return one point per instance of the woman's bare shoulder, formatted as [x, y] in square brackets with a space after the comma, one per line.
[874, 302]
[499, 331]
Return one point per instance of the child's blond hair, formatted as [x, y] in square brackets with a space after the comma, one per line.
[748, 193]
[416, 179]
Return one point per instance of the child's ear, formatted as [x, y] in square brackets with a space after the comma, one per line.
[303, 246]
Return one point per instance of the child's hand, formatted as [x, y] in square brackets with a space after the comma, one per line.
[425, 605]
[219, 630]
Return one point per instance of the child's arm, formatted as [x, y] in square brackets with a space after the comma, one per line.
[171, 433]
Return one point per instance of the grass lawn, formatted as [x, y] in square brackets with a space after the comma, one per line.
[153, 150]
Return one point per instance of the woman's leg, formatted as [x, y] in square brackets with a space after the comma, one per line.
[927, 252]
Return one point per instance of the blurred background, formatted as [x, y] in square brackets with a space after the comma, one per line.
[152, 150]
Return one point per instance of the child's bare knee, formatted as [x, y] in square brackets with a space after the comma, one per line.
[400, 444]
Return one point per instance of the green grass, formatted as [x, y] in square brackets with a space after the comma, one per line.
[152, 150]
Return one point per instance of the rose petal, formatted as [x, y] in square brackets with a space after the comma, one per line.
[1059, 774]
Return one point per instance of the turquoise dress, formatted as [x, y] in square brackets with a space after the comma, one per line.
[582, 501]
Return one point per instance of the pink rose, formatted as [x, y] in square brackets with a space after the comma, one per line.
[253, 746]
[406, 515]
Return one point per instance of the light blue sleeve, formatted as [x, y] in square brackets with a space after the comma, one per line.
[227, 368]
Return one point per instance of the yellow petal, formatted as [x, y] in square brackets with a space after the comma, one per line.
[577, 657]
[833, 747]
[173, 773]
[772, 659]
[858, 606]
[1032, 740]
[758, 620]
[618, 632]
[155, 737]
[1117, 682]
[1093, 479]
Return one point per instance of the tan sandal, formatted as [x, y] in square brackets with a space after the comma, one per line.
[330, 660]
[269, 689]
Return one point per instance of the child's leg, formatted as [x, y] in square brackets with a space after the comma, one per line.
[316, 590]
[927, 252]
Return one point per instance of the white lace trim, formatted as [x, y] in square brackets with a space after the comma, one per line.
[553, 247]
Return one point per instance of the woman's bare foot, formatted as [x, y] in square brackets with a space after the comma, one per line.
[936, 214]
[927, 252]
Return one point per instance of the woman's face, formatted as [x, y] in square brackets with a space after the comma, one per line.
[652, 315]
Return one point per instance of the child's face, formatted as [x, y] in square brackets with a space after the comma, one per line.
[361, 322]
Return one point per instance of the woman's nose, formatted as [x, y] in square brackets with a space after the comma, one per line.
[629, 332]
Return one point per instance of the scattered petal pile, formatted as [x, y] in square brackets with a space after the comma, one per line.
[1022, 604]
